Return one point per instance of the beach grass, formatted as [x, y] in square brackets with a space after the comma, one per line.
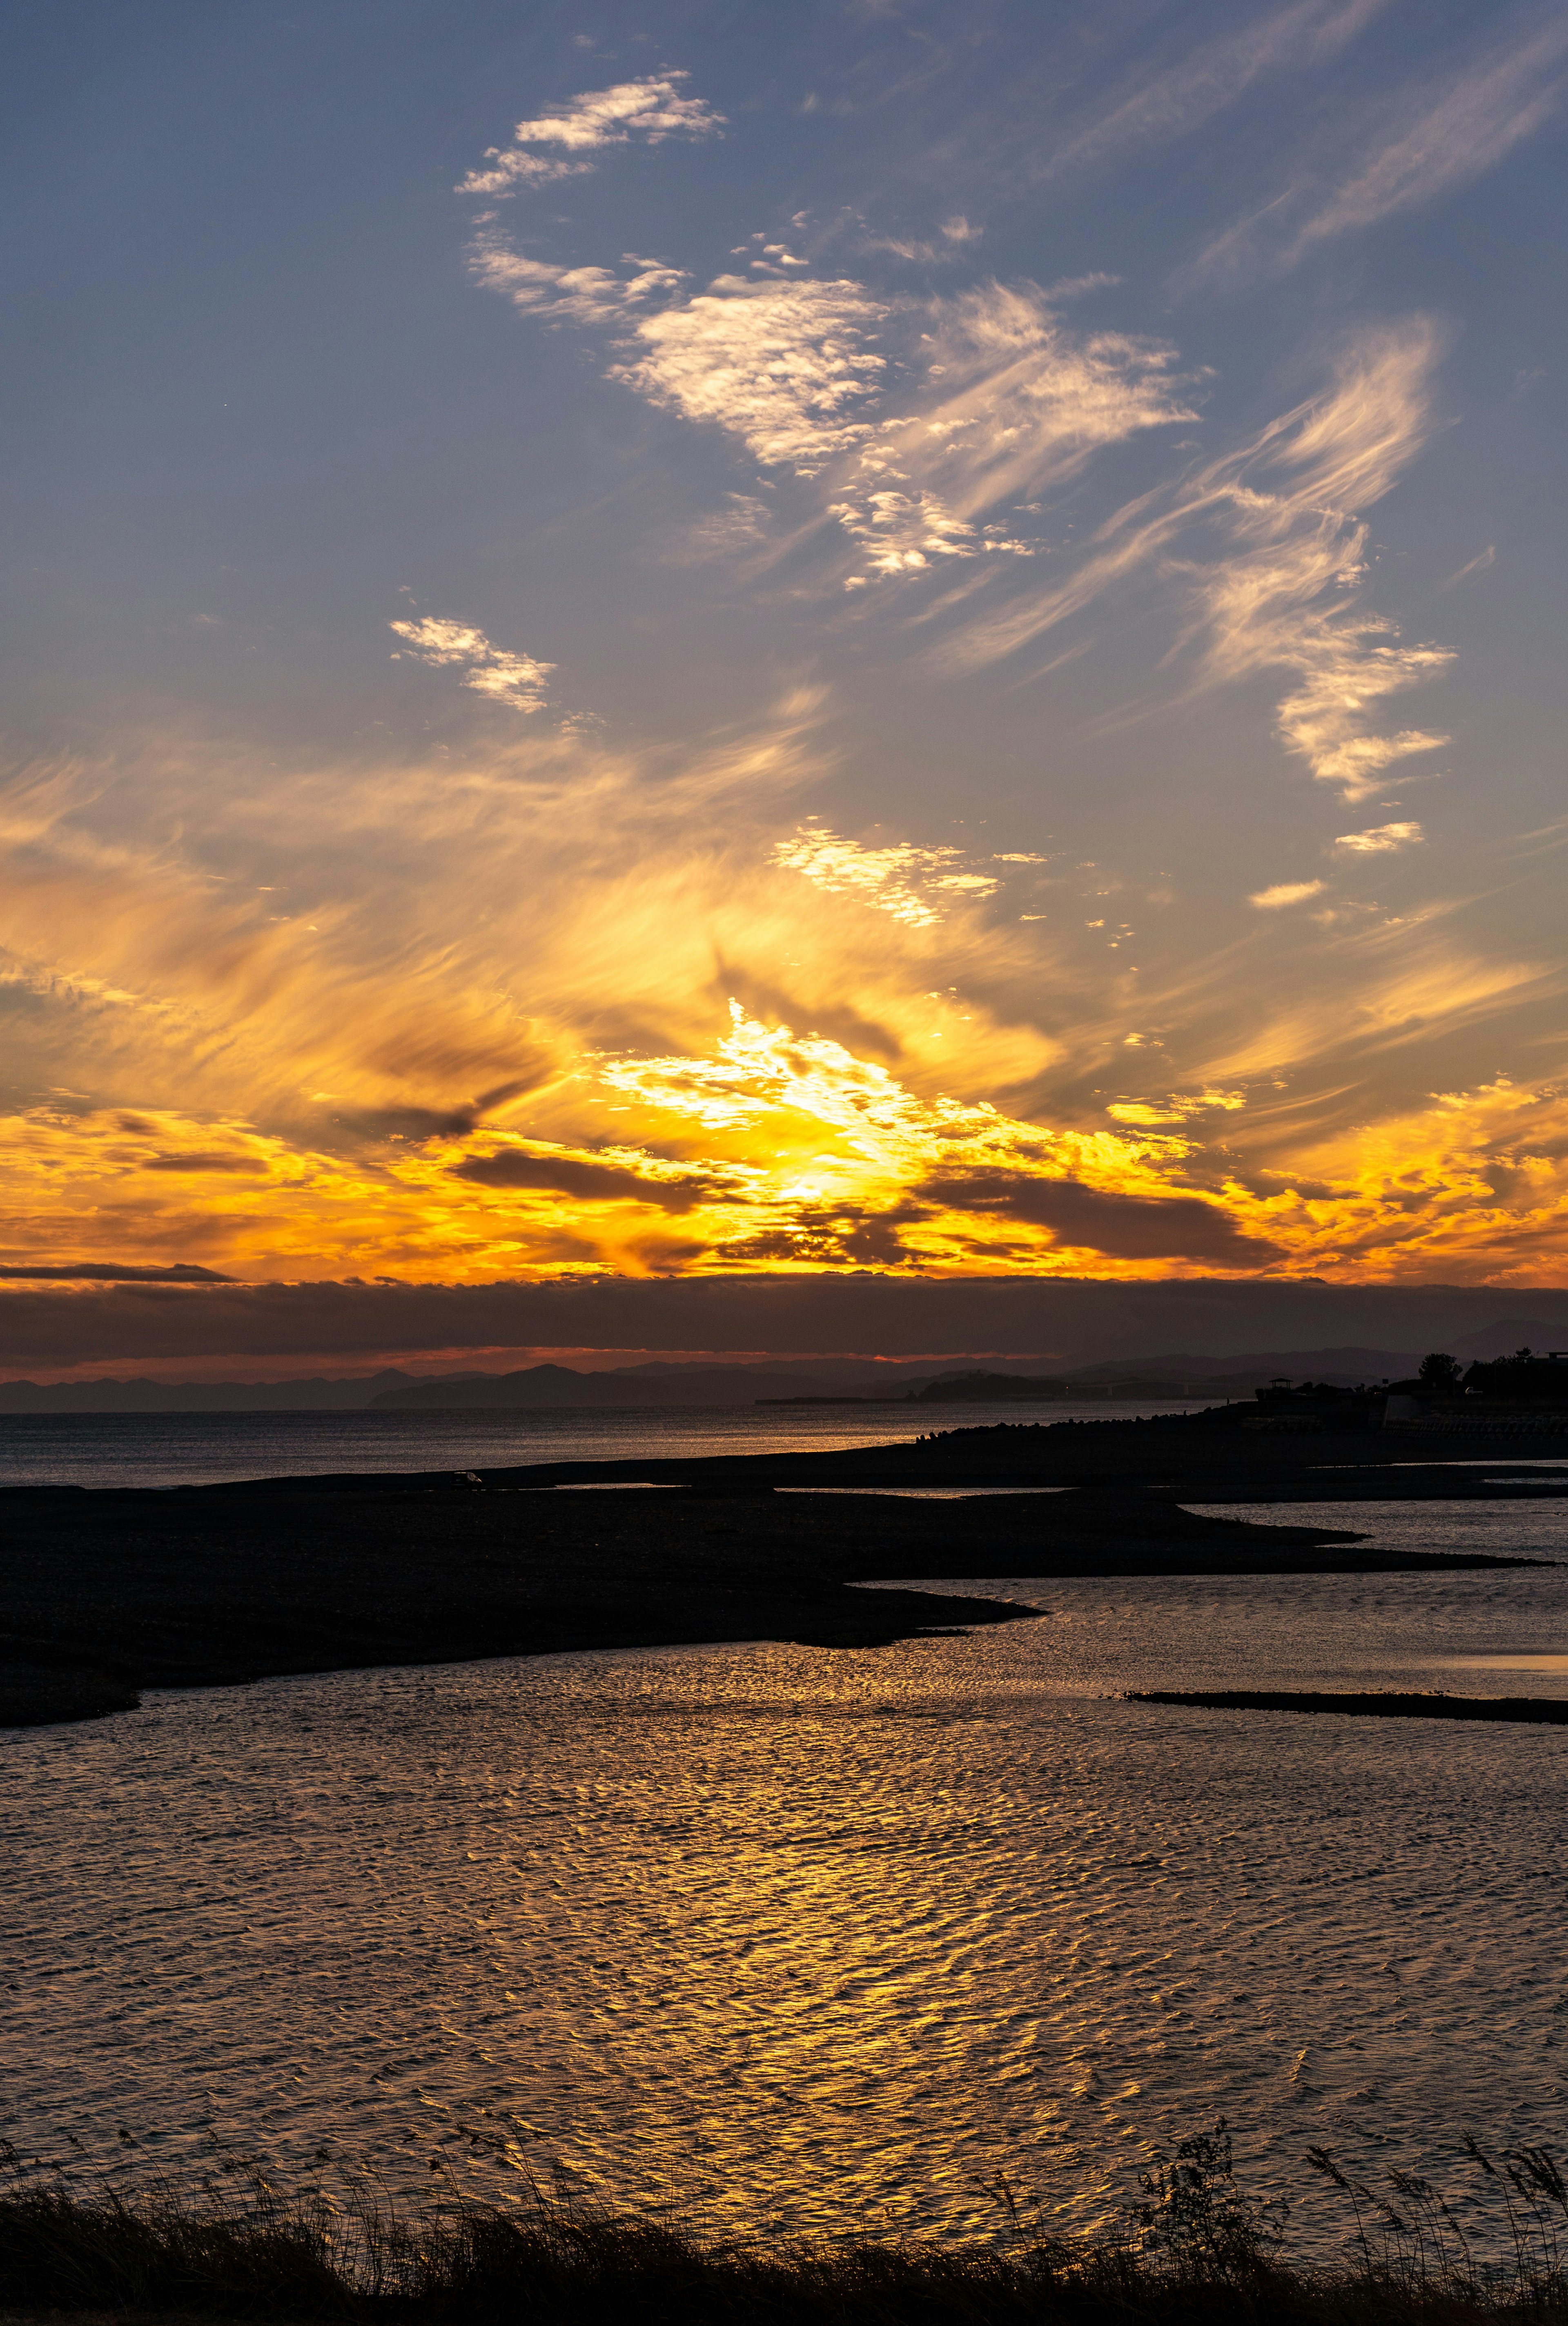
[1197, 2251]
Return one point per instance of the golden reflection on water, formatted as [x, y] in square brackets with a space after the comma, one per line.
[808, 1938]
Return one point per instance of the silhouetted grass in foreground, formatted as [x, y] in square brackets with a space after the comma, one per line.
[1198, 2253]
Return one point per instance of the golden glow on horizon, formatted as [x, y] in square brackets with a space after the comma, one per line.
[506, 1016]
[803, 1157]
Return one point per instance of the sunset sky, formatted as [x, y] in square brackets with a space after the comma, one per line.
[690, 639]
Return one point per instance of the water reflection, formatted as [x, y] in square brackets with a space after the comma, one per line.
[813, 1939]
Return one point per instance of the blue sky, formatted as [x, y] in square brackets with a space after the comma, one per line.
[676, 639]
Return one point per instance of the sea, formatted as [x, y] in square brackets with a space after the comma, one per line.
[178, 1449]
[933, 1939]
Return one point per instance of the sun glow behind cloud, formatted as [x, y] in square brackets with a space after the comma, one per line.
[426, 1121]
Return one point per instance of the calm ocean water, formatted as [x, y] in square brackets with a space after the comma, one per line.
[174, 1449]
[823, 1940]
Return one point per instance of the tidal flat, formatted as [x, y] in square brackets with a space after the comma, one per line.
[112, 1591]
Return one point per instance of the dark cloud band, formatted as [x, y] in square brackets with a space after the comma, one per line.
[1123, 1227]
[108, 1272]
[807, 1315]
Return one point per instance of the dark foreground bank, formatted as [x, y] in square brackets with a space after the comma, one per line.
[1197, 2252]
[108, 1592]
[1384, 1704]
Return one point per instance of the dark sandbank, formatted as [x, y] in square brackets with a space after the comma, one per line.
[108, 1591]
[1541, 1712]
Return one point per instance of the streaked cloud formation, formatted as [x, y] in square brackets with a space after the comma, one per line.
[1032, 806]
[634, 112]
[1381, 840]
[1446, 134]
[517, 680]
[1173, 100]
[1287, 892]
[1272, 549]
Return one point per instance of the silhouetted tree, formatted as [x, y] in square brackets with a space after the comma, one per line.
[1439, 1373]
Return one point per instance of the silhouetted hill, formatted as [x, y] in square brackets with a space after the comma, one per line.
[664, 1382]
[559, 1385]
[305, 1396]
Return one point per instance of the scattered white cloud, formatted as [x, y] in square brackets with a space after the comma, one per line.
[953, 239]
[519, 681]
[906, 533]
[785, 367]
[898, 880]
[1287, 892]
[641, 112]
[574, 294]
[1381, 840]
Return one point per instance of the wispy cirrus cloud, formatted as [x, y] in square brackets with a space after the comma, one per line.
[1287, 892]
[552, 145]
[1011, 398]
[1018, 400]
[1013, 401]
[732, 531]
[1385, 157]
[1171, 99]
[519, 681]
[1482, 564]
[1381, 840]
[566, 294]
[1446, 136]
[1268, 550]
[1290, 600]
[1177, 1106]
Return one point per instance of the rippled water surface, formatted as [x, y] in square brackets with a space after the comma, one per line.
[819, 1937]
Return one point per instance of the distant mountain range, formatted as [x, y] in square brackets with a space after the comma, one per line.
[309, 1395]
[662, 1383]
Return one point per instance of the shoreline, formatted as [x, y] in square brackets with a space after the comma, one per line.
[1538, 1711]
[111, 1590]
